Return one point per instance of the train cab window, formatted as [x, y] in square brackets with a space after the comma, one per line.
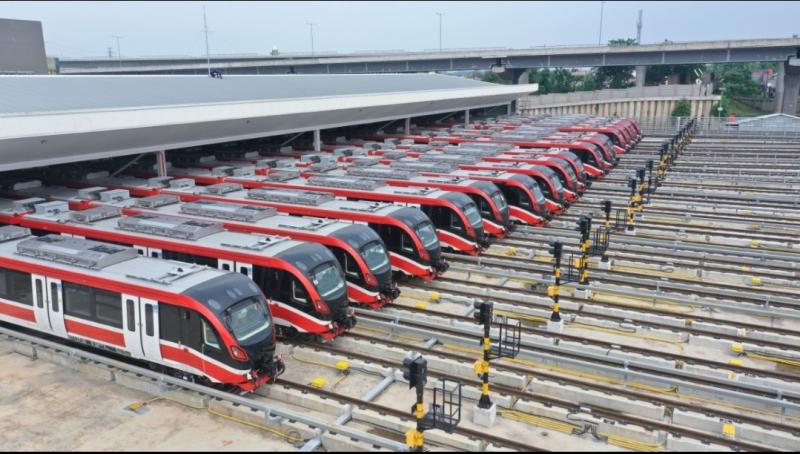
[55, 294]
[148, 319]
[351, 267]
[39, 294]
[405, 243]
[455, 223]
[298, 293]
[209, 336]
[130, 307]
[16, 286]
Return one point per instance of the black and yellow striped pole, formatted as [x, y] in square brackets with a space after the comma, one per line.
[632, 184]
[640, 198]
[585, 227]
[607, 211]
[416, 372]
[555, 323]
[484, 314]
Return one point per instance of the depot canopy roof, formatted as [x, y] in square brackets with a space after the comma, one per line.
[46, 120]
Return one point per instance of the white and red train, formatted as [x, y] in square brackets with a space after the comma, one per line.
[303, 280]
[408, 233]
[360, 251]
[188, 319]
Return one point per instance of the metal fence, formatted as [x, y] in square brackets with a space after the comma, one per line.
[722, 127]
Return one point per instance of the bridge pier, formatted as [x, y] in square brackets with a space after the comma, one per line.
[515, 76]
[641, 71]
[787, 88]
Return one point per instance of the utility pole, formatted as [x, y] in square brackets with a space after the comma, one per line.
[600, 36]
[119, 54]
[110, 54]
[639, 29]
[205, 31]
[440, 30]
[311, 29]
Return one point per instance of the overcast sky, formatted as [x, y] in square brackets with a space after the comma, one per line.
[80, 29]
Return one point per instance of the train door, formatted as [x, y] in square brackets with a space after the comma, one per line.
[132, 325]
[48, 305]
[40, 303]
[55, 301]
[150, 337]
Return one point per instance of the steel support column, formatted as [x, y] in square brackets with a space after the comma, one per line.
[161, 157]
[317, 141]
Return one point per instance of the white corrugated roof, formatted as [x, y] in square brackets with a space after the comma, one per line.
[55, 119]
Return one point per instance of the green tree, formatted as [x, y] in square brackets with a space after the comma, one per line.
[489, 76]
[615, 76]
[682, 109]
[543, 77]
[622, 42]
[563, 81]
[590, 81]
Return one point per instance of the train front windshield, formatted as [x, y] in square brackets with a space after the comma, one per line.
[500, 201]
[473, 215]
[376, 257]
[532, 186]
[427, 234]
[328, 280]
[248, 320]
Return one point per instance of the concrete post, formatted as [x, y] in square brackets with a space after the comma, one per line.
[788, 88]
[466, 118]
[407, 126]
[317, 141]
[508, 109]
[161, 158]
[641, 70]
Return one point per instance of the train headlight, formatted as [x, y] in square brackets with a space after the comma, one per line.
[238, 354]
[321, 307]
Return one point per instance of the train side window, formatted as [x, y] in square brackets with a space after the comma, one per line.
[169, 323]
[226, 267]
[148, 319]
[77, 300]
[39, 295]
[210, 336]
[16, 286]
[55, 294]
[130, 306]
[108, 308]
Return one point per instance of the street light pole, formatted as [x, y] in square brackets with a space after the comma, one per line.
[600, 36]
[440, 30]
[205, 32]
[311, 27]
[119, 55]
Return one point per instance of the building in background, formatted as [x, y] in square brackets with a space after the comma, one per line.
[22, 47]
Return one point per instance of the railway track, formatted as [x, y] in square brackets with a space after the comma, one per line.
[753, 295]
[595, 309]
[595, 410]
